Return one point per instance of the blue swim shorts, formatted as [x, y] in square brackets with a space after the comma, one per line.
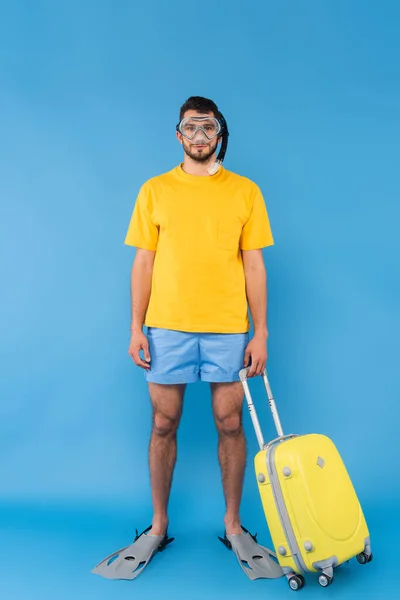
[182, 357]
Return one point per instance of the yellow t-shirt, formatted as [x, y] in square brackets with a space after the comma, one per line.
[198, 226]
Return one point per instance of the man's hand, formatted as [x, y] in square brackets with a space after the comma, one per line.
[257, 350]
[139, 342]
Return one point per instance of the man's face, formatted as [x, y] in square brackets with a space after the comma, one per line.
[200, 148]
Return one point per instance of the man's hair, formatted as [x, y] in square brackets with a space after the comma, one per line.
[200, 104]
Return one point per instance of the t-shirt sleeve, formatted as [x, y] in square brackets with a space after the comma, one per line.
[256, 232]
[142, 231]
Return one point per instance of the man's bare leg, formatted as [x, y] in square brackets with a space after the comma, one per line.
[227, 401]
[167, 401]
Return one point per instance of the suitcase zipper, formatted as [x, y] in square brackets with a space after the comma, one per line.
[282, 511]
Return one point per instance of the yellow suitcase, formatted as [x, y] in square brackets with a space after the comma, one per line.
[314, 516]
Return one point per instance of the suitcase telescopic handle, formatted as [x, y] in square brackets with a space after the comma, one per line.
[243, 378]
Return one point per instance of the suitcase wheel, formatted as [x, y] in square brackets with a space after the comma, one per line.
[296, 582]
[325, 580]
[364, 558]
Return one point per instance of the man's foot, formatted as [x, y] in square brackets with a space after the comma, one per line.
[233, 526]
[130, 561]
[256, 560]
[158, 527]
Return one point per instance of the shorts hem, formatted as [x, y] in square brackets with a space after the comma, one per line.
[219, 377]
[173, 378]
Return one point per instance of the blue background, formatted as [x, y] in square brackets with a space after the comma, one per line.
[89, 98]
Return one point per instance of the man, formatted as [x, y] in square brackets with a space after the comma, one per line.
[197, 270]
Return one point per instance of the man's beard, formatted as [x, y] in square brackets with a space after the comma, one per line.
[202, 156]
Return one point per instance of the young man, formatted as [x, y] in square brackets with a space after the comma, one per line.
[197, 270]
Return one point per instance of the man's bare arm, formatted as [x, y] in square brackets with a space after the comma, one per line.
[256, 289]
[256, 292]
[141, 278]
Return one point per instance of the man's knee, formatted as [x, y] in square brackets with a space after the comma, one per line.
[229, 425]
[228, 407]
[167, 408]
[165, 425]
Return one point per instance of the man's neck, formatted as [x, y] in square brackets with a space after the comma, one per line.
[193, 167]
